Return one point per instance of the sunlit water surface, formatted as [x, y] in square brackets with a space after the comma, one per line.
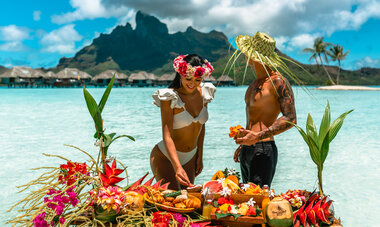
[36, 121]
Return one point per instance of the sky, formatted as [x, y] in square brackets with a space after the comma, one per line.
[38, 33]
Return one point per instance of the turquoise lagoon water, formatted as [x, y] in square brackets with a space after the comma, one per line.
[36, 121]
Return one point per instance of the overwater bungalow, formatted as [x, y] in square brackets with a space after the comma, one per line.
[21, 77]
[72, 77]
[103, 79]
[49, 79]
[8, 78]
[165, 79]
[152, 79]
[142, 79]
[211, 79]
[225, 80]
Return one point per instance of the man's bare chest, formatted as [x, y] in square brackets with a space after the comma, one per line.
[262, 99]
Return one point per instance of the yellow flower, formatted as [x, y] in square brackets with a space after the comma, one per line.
[224, 207]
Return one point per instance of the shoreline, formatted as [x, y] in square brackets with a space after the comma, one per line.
[347, 88]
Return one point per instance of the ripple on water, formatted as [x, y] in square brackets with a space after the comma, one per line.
[33, 121]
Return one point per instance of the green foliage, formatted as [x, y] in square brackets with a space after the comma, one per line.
[96, 114]
[318, 142]
[222, 215]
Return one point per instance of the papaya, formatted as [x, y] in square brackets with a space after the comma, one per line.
[219, 174]
[233, 178]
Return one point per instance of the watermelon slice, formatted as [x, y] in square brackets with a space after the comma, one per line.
[214, 185]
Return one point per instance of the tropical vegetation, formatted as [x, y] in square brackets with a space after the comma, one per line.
[319, 143]
[336, 53]
[318, 50]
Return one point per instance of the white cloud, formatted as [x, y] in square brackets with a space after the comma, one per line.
[88, 9]
[37, 15]
[294, 23]
[13, 33]
[13, 46]
[303, 40]
[61, 40]
[176, 24]
[368, 62]
[276, 17]
[13, 36]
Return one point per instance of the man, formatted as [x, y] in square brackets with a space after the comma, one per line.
[265, 98]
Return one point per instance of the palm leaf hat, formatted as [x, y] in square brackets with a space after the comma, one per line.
[261, 48]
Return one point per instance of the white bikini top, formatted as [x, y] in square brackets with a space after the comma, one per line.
[184, 118]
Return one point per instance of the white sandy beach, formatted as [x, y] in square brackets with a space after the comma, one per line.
[347, 87]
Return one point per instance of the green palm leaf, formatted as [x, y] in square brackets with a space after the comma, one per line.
[319, 143]
[325, 123]
[311, 129]
[314, 151]
[106, 93]
[337, 124]
[94, 111]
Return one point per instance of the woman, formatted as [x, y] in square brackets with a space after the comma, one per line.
[178, 157]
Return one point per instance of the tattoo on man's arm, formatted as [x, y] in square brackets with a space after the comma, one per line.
[286, 101]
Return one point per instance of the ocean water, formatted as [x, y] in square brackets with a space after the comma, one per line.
[36, 121]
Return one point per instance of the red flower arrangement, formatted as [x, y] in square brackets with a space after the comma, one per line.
[70, 172]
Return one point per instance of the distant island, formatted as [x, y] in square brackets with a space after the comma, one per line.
[150, 48]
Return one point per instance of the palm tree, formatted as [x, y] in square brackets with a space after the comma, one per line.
[319, 48]
[336, 54]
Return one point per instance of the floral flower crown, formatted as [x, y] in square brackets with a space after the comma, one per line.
[186, 70]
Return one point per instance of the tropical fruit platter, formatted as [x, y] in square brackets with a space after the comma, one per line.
[96, 193]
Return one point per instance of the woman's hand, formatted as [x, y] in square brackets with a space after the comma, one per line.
[181, 176]
[237, 154]
[198, 166]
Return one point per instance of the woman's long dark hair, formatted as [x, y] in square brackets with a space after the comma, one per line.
[194, 60]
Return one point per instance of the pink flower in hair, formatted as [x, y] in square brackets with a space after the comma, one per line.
[182, 68]
[199, 71]
[185, 69]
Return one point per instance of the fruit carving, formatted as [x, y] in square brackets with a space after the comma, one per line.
[279, 213]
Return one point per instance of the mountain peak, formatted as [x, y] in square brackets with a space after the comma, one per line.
[148, 47]
[147, 24]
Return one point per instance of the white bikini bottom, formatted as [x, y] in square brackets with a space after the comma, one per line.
[184, 157]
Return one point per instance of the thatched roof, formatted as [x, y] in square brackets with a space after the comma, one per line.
[224, 78]
[109, 74]
[50, 74]
[72, 73]
[142, 75]
[210, 78]
[167, 77]
[36, 73]
[23, 72]
[151, 76]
